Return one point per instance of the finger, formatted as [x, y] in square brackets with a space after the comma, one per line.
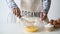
[17, 14]
[14, 11]
[20, 16]
[44, 17]
[41, 15]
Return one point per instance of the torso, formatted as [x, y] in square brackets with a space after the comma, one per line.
[31, 5]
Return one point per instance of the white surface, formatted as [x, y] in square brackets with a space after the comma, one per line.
[16, 28]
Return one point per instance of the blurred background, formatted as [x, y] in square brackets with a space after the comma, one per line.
[54, 13]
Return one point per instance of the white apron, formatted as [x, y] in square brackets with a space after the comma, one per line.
[30, 6]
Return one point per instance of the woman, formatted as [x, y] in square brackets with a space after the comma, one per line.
[30, 8]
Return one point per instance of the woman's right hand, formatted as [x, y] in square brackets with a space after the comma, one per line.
[17, 12]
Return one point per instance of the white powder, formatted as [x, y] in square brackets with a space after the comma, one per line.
[49, 25]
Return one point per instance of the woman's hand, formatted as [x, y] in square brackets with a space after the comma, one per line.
[17, 12]
[43, 15]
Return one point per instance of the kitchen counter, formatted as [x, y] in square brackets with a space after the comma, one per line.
[17, 28]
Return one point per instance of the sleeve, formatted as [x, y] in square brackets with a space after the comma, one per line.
[11, 4]
[46, 5]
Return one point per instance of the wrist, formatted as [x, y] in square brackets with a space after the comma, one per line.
[14, 8]
[43, 12]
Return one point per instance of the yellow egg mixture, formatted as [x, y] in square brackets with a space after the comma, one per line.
[31, 28]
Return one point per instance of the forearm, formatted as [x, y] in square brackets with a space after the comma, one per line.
[11, 4]
[16, 11]
[46, 5]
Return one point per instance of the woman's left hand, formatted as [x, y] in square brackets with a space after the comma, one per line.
[43, 15]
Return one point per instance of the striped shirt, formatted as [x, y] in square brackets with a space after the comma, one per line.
[45, 4]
